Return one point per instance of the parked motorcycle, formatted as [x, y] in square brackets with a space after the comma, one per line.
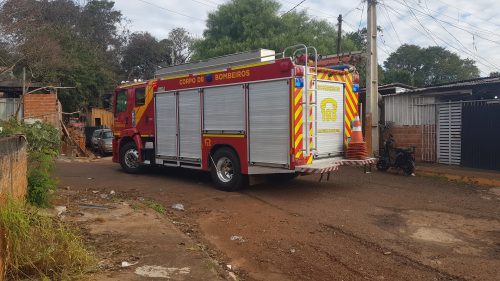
[399, 158]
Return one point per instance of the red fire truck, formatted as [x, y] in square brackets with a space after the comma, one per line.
[245, 114]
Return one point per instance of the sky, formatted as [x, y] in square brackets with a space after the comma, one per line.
[470, 29]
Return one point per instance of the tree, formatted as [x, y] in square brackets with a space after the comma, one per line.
[63, 42]
[417, 66]
[494, 74]
[180, 43]
[243, 25]
[142, 55]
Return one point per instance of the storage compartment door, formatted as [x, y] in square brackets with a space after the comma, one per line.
[329, 119]
[224, 108]
[189, 125]
[166, 124]
[269, 122]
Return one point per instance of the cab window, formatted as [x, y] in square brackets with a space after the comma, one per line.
[140, 96]
[121, 101]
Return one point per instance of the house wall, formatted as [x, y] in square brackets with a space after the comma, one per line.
[107, 118]
[411, 119]
[422, 137]
[13, 178]
[43, 107]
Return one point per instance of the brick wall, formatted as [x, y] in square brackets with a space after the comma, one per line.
[44, 107]
[13, 180]
[407, 136]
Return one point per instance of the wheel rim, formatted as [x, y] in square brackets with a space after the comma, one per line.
[225, 170]
[132, 158]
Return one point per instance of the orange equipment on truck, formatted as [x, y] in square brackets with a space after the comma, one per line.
[244, 114]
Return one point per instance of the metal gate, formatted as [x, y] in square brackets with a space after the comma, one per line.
[8, 108]
[449, 133]
[480, 135]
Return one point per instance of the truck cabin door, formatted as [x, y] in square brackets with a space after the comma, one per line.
[123, 108]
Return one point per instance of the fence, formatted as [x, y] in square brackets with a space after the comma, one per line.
[13, 180]
[8, 108]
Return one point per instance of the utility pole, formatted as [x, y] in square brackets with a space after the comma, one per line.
[372, 110]
[339, 35]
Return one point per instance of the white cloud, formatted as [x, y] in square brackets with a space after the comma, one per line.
[474, 24]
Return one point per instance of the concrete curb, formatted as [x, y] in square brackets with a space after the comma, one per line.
[476, 180]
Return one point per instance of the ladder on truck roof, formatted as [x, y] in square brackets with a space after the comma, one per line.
[310, 124]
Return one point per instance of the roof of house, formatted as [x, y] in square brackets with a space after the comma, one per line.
[457, 85]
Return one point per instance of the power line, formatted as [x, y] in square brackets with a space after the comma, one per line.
[294, 7]
[361, 18]
[467, 51]
[480, 60]
[390, 21]
[475, 28]
[171, 11]
[209, 5]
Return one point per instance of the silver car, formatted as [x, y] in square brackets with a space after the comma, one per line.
[102, 141]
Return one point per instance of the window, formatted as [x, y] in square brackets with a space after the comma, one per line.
[107, 135]
[140, 96]
[97, 122]
[121, 101]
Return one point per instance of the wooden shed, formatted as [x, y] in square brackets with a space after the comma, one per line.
[100, 117]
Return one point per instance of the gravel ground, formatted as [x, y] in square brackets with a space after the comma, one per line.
[379, 226]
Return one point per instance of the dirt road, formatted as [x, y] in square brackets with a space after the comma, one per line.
[355, 227]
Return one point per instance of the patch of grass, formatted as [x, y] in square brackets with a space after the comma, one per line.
[43, 147]
[41, 247]
[155, 206]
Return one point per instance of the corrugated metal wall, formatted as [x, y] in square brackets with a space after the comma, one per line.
[8, 107]
[409, 110]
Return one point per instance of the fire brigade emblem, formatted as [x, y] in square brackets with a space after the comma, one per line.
[329, 110]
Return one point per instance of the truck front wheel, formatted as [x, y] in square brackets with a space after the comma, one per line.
[226, 170]
[129, 158]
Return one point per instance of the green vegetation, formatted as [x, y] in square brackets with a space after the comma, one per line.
[417, 66]
[155, 206]
[242, 25]
[86, 45]
[41, 247]
[43, 147]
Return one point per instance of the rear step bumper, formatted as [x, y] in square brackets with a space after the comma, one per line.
[332, 164]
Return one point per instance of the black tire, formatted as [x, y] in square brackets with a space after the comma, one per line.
[382, 165]
[225, 170]
[409, 168]
[127, 163]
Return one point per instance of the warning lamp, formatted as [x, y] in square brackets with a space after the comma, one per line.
[355, 78]
[355, 88]
[299, 71]
[208, 78]
[299, 82]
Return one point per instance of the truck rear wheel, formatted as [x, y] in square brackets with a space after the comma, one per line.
[129, 158]
[226, 170]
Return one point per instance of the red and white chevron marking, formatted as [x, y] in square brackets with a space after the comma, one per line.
[368, 161]
[317, 170]
[307, 169]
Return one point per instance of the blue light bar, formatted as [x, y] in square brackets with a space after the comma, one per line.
[355, 88]
[299, 82]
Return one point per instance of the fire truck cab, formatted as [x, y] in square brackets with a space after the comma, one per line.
[244, 114]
